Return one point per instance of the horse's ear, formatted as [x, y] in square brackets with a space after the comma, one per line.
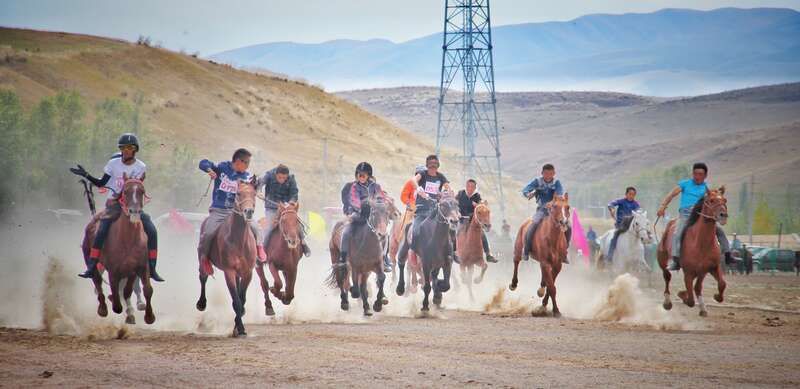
[485, 202]
[722, 190]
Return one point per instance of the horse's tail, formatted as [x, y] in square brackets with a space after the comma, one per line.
[336, 277]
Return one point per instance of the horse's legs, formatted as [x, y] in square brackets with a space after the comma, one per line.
[201, 302]
[484, 266]
[269, 311]
[137, 288]
[721, 284]
[426, 273]
[149, 316]
[698, 290]
[514, 279]
[401, 264]
[355, 288]
[542, 284]
[470, 271]
[290, 276]
[379, 299]
[244, 283]
[667, 278]
[113, 282]
[362, 286]
[687, 295]
[437, 292]
[231, 281]
[102, 309]
[444, 284]
[277, 283]
[551, 290]
[127, 292]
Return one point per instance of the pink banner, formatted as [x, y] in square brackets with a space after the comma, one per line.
[579, 237]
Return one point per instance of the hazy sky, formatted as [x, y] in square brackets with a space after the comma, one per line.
[213, 26]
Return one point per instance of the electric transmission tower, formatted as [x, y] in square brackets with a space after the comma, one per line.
[466, 90]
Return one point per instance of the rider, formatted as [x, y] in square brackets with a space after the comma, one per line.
[226, 176]
[279, 187]
[691, 191]
[543, 188]
[121, 164]
[620, 210]
[354, 197]
[430, 184]
[468, 198]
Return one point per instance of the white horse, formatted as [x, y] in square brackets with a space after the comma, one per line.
[629, 254]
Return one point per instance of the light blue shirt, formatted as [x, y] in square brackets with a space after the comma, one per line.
[691, 193]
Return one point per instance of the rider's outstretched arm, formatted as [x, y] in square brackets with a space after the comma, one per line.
[98, 182]
[664, 204]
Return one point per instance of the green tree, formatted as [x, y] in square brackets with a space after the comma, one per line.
[11, 139]
[764, 220]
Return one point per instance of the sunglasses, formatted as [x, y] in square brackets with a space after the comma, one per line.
[127, 147]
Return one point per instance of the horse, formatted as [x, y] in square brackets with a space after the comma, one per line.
[629, 254]
[469, 244]
[434, 249]
[233, 251]
[283, 254]
[399, 225]
[367, 248]
[548, 247]
[700, 253]
[124, 255]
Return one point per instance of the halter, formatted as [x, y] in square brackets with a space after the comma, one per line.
[700, 212]
[238, 204]
[284, 212]
[121, 199]
[441, 215]
[475, 214]
[371, 226]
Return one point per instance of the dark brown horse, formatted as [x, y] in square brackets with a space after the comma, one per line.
[548, 246]
[470, 247]
[233, 251]
[124, 255]
[700, 252]
[283, 254]
[367, 248]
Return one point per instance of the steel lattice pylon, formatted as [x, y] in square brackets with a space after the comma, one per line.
[467, 55]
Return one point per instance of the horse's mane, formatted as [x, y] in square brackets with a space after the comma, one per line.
[696, 210]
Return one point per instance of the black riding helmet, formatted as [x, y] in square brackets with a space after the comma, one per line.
[364, 167]
[128, 139]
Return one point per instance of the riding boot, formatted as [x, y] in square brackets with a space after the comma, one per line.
[387, 264]
[490, 258]
[729, 258]
[91, 264]
[675, 264]
[455, 258]
[526, 247]
[152, 262]
[305, 248]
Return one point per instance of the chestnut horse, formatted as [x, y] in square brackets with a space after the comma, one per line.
[124, 255]
[283, 254]
[233, 251]
[700, 252]
[469, 244]
[548, 246]
[367, 248]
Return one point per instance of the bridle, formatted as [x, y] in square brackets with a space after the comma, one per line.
[475, 216]
[286, 211]
[121, 199]
[707, 203]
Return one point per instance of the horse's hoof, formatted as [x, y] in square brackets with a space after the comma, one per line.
[556, 314]
[442, 285]
[367, 313]
[102, 311]
[667, 305]
[141, 306]
[718, 298]
[130, 320]
[345, 306]
[690, 304]
[425, 309]
[286, 301]
[354, 292]
[478, 280]
[385, 301]
[201, 305]
[116, 309]
[269, 311]
[703, 313]
[437, 300]
[400, 290]
[378, 306]
[540, 292]
[149, 318]
[512, 287]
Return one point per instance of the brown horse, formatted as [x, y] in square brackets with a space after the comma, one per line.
[548, 246]
[469, 244]
[367, 247]
[700, 252]
[124, 255]
[233, 251]
[283, 254]
[396, 235]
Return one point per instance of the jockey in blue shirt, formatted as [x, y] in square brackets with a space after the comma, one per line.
[542, 188]
[621, 210]
[692, 190]
[226, 176]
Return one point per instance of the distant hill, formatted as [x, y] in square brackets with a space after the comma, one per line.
[672, 52]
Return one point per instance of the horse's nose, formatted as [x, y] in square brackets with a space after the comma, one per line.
[248, 213]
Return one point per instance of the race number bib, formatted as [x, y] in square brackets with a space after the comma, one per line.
[432, 187]
[228, 185]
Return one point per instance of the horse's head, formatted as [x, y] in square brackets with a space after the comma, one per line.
[483, 215]
[641, 226]
[289, 223]
[394, 213]
[447, 209]
[132, 198]
[246, 198]
[559, 210]
[715, 206]
[379, 216]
